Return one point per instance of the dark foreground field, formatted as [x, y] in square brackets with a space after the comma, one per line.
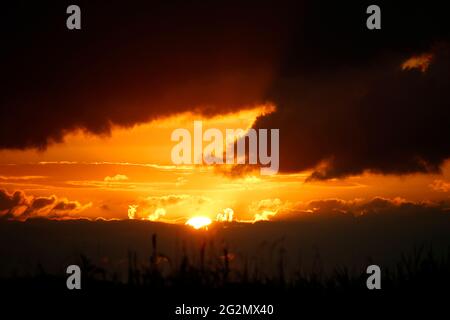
[316, 265]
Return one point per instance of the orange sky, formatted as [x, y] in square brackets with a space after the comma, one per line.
[131, 169]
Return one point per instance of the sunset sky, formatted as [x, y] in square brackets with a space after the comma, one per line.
[102, 176]
[86, 116]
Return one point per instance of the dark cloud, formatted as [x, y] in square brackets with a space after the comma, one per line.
[19, 206]
[377, 206]
[39, 203]
[379, 118]
[66, 206]
[130, 63]
[344, 105]
[8, 201]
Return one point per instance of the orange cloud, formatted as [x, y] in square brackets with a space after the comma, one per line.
[264, 210]
[117, 177]
[19, 206]
[155, 207]
[440, 185]
[421, 62]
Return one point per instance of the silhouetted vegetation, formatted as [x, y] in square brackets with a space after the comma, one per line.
[213, 275]
[218, 268]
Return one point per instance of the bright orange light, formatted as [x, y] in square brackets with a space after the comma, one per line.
[199, 222]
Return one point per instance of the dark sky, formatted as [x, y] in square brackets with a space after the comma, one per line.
[341, 95]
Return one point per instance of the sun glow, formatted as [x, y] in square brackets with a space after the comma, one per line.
[199, 222]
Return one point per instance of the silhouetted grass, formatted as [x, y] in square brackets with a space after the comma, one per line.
[212, 274]
[218, 268]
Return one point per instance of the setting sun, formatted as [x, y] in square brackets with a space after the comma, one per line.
[199, 222]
